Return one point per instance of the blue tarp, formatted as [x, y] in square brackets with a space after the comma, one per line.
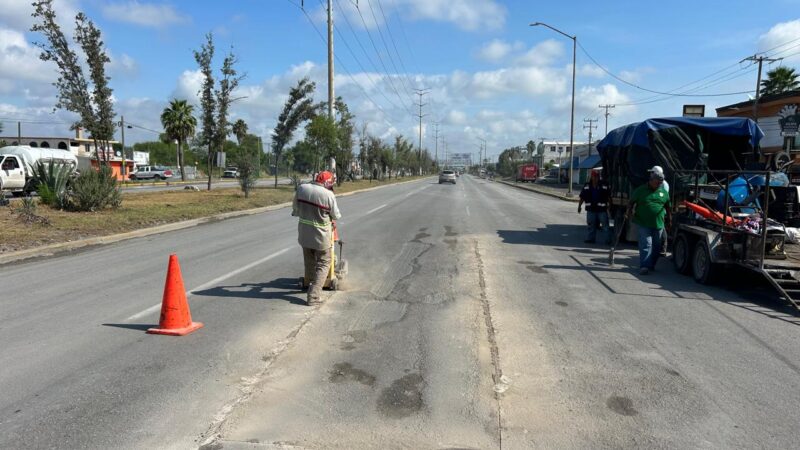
[590, 162]
[677, 144]
[637, 133]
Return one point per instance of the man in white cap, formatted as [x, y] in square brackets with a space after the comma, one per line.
[649, 209]
[659, 172]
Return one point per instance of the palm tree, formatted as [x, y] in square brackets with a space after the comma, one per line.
[780, 79]
[179, 124]
[240, 130]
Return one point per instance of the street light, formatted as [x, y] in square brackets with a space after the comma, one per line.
[572, 111]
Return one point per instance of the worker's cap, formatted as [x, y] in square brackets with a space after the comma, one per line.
[656, 172]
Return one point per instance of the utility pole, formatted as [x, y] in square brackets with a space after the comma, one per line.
[760, 60]
[482, 154]
[122, 130]
[19, 133]
[420, 93]
[436, 140]
[606, 107]
[591, 126]
[331, 97]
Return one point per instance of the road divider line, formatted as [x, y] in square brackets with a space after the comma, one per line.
[376, 209]
[212, 283]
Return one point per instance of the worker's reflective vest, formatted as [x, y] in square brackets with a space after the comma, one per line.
[316, 207]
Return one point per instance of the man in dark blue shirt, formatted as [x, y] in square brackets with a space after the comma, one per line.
[595, 194]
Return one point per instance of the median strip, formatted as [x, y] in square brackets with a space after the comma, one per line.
[144, 215]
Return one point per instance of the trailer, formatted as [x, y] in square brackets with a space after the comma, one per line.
[704, 241]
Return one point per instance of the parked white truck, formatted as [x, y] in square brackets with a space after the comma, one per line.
[17, 164]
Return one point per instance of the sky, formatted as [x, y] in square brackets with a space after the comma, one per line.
[488, 74]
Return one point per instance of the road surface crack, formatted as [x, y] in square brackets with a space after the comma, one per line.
[497, 374]
[213, 433]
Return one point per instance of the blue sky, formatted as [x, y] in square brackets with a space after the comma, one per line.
[491, 75]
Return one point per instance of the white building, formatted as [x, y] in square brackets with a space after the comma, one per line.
[557, 151]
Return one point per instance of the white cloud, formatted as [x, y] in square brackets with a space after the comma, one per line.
[543, 53]
[783, 33]
[16, 14]
[494, 51]
[20, 66]
[122, 66]
[532, 81]
[468, 15]
[144, 14]
[589, 70]
[456, 117]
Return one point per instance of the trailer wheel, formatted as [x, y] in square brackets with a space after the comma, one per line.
[682, 254]
[703, 268]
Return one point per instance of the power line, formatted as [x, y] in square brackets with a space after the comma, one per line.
[366, 72]
[385, 45]
[344, 68]
[611, 74]
[394, 45]
[366, 54]
[386, 70]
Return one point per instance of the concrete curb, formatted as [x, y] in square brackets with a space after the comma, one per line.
[53, 249]
[541, 191]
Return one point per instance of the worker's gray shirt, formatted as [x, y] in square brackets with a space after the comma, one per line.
[316, 207]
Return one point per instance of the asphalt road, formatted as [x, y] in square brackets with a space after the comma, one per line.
[472, 317]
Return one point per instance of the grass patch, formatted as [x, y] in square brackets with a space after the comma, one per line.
[143, 210]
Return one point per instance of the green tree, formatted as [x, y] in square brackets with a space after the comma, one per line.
[345, 128]
[299, 107]
[780, 79]
[179, 123]
[322, 134]
[215, 100]
[239, 130]
[92, 102]
[208, 103]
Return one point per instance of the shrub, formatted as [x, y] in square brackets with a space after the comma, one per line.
[93, 190]
[26, 212]
[51, 183]
[249, 169]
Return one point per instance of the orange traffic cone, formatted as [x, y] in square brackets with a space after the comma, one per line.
[175, 317]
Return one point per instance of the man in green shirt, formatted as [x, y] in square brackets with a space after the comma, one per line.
[650, 206]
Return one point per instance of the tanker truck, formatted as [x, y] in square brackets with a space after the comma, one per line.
[18, 165]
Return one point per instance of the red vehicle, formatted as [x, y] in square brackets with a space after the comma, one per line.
[527, 172]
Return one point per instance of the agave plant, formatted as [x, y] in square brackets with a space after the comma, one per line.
[51, 183]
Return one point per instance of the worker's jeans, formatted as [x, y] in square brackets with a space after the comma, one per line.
[593, 221]
[649, 246]
[317, 265]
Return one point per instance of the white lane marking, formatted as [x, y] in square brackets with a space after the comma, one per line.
[147, 311]
[468, 211]
[211, 283]
[375, 209]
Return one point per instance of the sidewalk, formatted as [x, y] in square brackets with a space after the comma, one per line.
[558, 191]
